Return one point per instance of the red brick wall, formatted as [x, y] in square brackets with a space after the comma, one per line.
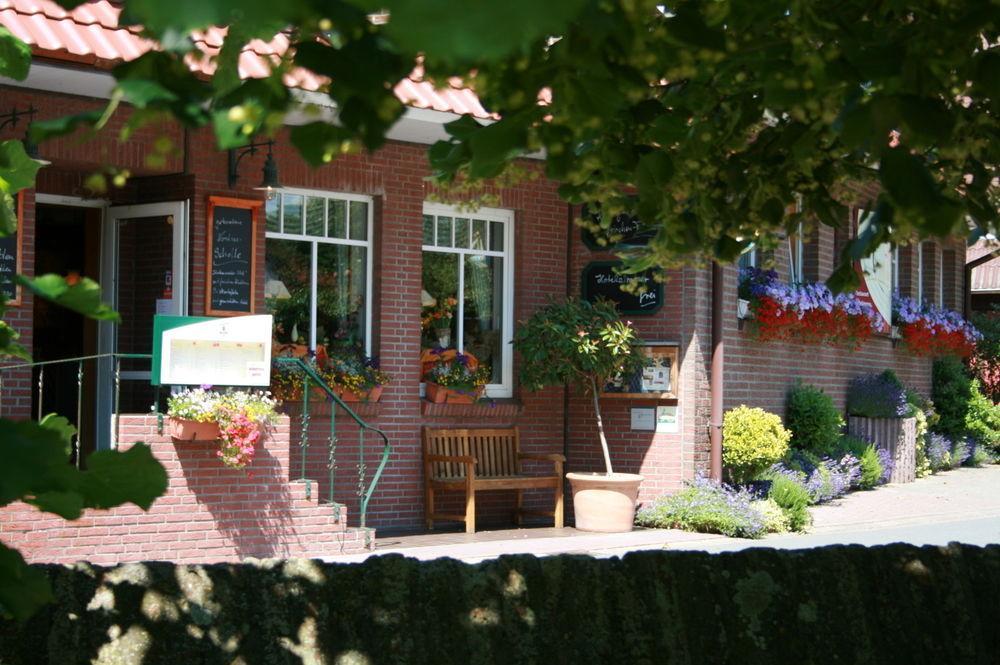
[209, 512]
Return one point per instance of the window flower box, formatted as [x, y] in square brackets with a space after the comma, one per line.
[351, 397]
[182, 429]
[445, 395]
[234, 419]
[927, 330]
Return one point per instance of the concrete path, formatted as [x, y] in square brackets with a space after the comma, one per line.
[961, 505]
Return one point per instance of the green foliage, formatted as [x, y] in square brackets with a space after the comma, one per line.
[775, 519]
[813, 419]
[711, 117]
[983, 419]
[951, 392]
[871, 468]
[706, 507]
[575, 342]
[17, 172]
[80, 294]
[793, 499]
[752, 440]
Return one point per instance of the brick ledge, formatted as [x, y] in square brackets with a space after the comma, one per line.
[501, 408]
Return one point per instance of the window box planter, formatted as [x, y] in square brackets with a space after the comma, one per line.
[444, 395]
[193, 430]
[898, 436]
[349, 396]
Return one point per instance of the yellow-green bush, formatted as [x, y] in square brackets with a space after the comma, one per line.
[895, 604]
[752, 440]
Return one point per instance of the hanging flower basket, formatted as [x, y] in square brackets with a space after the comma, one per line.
[192, 430]
[444, 395]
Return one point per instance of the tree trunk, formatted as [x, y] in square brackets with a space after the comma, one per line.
[600, 426]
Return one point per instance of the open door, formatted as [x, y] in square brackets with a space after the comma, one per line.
[143, 272]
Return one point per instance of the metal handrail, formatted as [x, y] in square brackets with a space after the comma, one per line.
[364, 493]
[79, 360]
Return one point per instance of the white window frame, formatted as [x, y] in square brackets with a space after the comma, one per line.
[796, 257]
[506, 386]
[895, 268]
[920, 272]
[317, 240]
[751, 254]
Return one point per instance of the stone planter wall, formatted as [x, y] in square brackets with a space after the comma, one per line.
[897, 435]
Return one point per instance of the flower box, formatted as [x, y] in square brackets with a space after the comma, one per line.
[193, 430]
[444, 395]
[349, 396]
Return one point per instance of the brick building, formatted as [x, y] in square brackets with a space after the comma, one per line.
[374, 220]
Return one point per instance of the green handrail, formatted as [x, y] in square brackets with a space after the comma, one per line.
[364, 493]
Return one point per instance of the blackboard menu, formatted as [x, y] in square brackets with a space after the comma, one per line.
[627, 227]
[601, 281]
[231, 257]
[10, 259]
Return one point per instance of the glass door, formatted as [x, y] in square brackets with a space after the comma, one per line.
[143, 273]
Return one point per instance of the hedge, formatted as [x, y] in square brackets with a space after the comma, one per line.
[844, 604]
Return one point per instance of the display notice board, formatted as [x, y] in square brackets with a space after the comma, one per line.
[600, 279]
[232, 257]
[10, 256]
[194, 350]
[657, 379]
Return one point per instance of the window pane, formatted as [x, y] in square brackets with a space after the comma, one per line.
[359, 220]
[314, 216]
[272, 213]
[444, 232]
[293, 213]
[439, 300]
[496, 236]
[479, 234]
[338, 219]
[483, 315]
[340, 296]
[287, 290]
[461, 233]
[748, 259]
[428, 229]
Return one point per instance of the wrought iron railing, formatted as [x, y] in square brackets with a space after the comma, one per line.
[365, 488]
[81, 363]
[310, 378]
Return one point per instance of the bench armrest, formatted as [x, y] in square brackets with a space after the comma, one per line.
[551, 457]
[460, 459]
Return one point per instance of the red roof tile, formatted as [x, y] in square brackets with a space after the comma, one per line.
[90, 32]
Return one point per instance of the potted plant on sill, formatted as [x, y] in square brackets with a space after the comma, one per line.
[354, 376]
[453, 377]
[585, 345]
[234, 419]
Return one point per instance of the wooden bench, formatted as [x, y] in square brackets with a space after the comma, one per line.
[483, 459]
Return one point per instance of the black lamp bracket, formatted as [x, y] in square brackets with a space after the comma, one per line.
[236, 154]
[14, 115]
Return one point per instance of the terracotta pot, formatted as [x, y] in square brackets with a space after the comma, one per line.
[604, 503]
[349, 396]
[192, 430]
[441, 395]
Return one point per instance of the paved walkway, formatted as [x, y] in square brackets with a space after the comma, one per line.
[962, 505]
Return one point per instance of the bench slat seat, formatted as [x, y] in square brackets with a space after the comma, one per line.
[484, 459]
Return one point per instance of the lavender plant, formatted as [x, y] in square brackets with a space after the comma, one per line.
[938, 452]
[961, 450]
[707, 507]
[888, 464]
[878, 396]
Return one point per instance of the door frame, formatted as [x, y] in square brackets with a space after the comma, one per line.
[107, 331]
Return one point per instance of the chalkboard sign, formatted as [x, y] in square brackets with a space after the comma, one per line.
[10, 257]
[627, 227]
[601, 281]
[232, 266]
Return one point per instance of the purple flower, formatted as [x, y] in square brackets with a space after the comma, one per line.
[877, 396]
[938, 451]
[206, 386]
[885, 459]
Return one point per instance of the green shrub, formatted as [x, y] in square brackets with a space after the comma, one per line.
[951, 392]
[871, 468]
[705, 506]
[983, 419]
[793, 499]
[980, 457]
[752, 440]
[775, 520]
[813, 419]
[923, 465]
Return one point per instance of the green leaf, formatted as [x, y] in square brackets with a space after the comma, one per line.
[66, 504]
[63, 426]
[15, 56]
[42, 130]
[23, 589]
[83, 295]
[475, 31]
[319, 142]
[113, 478]
[17, 170]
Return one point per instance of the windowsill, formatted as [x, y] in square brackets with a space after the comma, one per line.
[496, 408]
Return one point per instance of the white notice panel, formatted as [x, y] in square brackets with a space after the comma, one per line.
[234, 351]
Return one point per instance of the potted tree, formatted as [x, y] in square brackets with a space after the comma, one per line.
[585, 345]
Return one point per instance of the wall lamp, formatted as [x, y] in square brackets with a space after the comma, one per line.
[14, 116]
[269, 182]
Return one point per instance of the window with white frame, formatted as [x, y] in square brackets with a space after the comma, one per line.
[748, 259]
[796, 256]
[467, 296]
[920, 271]
[318, 280]
[895, 268]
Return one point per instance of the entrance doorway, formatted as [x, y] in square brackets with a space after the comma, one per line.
[67, 242]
